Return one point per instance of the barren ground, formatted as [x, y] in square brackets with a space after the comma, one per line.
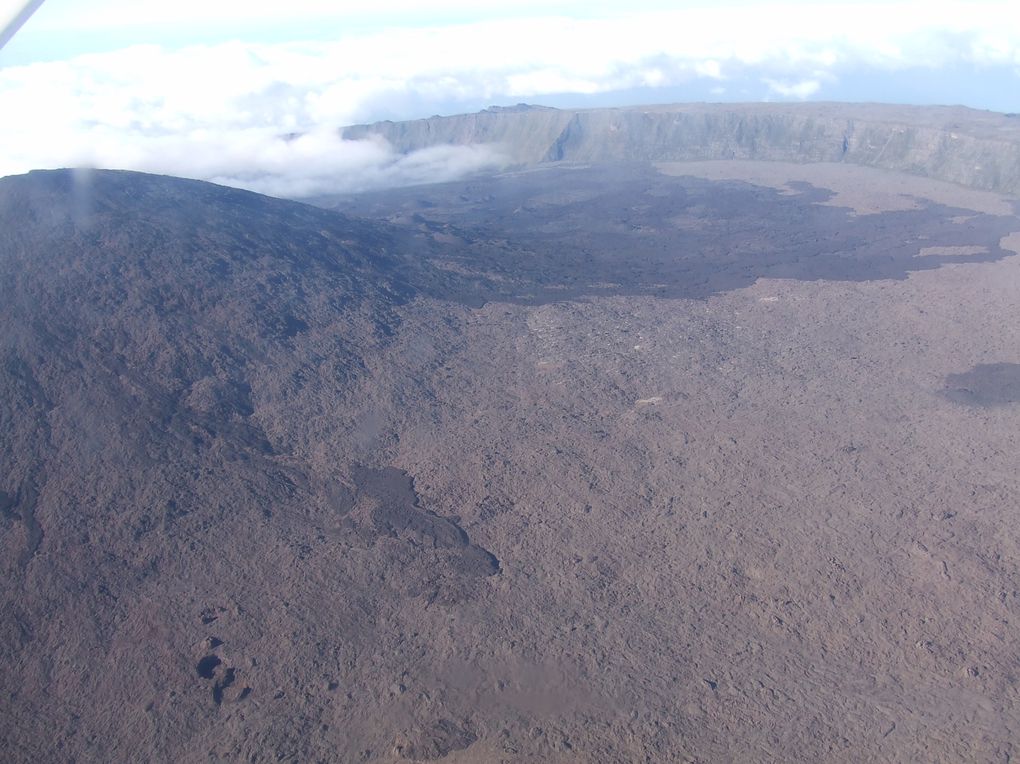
[736, 483]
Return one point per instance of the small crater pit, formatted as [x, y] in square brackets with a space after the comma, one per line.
[206, 667]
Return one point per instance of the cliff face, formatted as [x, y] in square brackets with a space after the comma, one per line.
[524, 135]
[964, 146]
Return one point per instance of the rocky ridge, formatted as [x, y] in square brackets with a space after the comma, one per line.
[964, 146]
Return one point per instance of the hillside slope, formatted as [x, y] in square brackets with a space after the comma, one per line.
[571, 464]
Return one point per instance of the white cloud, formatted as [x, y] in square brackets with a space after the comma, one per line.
[323, 163]
[262, 160]
[81, 15]
[802, 90]
[220, 111]
[709, 68]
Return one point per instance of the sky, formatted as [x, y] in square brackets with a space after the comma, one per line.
[252, 94]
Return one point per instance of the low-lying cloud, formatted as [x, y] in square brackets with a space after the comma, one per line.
[802, 90]
[266, 116]
[323, 163]
[319, 162]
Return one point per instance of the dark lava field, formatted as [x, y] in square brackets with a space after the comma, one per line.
[580, 462]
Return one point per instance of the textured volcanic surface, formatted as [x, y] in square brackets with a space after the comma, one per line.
[576, 464]
[565, 232]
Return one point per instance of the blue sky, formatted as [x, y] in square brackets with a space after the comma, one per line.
[208, 89]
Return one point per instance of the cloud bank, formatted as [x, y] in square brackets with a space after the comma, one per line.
[265, 116]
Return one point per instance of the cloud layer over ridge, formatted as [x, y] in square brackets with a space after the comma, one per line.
[230, 111]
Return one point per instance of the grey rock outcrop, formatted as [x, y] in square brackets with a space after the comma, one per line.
[972, 148]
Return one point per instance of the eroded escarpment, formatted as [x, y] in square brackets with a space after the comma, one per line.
[965, 146]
